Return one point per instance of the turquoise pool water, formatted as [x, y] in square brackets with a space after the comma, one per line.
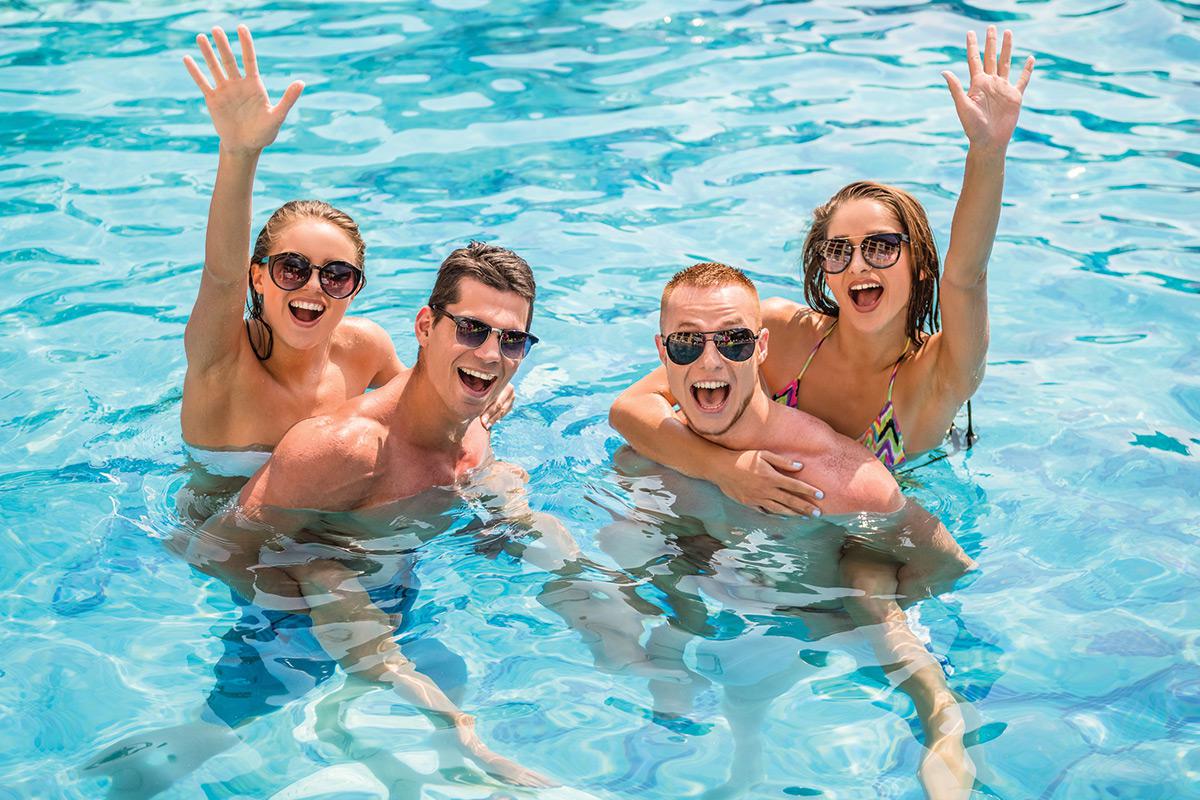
[611, 143]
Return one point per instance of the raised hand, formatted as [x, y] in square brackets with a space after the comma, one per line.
[241, 110]
[989, 107]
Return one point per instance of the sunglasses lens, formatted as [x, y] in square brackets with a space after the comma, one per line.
[736, 344]
[835, 253]
[684, 348]
[339, 279]
[471, 332]
[881, 250]
[290, 271]
[514, 344]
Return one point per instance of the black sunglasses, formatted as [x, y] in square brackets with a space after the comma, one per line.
[472, 333]
[291, 271]
[880, 250]
[735, 344]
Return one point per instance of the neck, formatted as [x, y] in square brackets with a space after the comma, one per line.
[426, 421]
[297, 368]
[748, 432]
[874, 351]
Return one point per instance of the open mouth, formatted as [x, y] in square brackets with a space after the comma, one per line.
[866, 295]
[710, 395]
[477, 383]
[306, 311]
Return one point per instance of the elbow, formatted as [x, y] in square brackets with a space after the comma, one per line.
[620, 416]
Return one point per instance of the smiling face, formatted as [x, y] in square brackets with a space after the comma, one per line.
[469, 379]
[712, 391]
[870, 298]
[306, 317]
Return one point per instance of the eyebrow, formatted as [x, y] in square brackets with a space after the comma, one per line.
[732, 321]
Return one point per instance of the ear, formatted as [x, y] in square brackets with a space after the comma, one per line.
[662, 349]
[424, 325]
[359, 288]
[763, 335]
[258, 274]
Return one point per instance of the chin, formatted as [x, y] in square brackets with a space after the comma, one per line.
[706, 424]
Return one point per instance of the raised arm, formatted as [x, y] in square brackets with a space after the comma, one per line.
[246, 122]
[645, 415]
[988, 111]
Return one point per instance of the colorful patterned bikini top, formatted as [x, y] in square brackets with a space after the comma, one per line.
[882, 437]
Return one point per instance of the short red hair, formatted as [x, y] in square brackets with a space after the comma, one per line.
[707, 275]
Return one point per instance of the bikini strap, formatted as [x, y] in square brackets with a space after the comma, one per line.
[813, 352]
[896, 369]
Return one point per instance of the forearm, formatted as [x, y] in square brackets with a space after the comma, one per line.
[976, 218]
[227, 243]
[359, 636]
[901, 654]
[650, 426]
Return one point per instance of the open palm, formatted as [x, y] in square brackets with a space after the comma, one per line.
[241, 110]
[989, 107]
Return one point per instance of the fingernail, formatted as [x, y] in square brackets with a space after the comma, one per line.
[816, 512]
[797, 465]
[820, 496]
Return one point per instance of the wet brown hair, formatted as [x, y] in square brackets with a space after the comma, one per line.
[287, 214]
[708, 274]
[491, 265]
[923, 256]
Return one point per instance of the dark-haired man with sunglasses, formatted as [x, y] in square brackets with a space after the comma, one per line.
[279, 548]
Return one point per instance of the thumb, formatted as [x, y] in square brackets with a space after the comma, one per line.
[956, 88]
[780, 462]
[290, 96]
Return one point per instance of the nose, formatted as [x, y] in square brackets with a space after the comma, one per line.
[710, 358]
[489, 351]
[857, 262]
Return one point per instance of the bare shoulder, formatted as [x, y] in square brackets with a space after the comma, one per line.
[780, 313]
[857, 480]
[360, 330]
[865, 483]
[794, 328]
[871, 486]
[360, 334]
[325, 463]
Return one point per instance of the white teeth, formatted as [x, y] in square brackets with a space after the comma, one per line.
[474, 373]
[870, 285]
[709, 385]
[306, 305]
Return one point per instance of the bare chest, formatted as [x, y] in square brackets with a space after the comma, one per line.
[405, 471]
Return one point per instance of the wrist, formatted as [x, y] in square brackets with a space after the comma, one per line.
[987, 154]
[239, 153]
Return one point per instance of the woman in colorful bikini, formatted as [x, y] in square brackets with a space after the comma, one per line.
[865, 355]
[296, 355]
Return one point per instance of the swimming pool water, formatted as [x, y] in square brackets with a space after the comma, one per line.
[611, 144]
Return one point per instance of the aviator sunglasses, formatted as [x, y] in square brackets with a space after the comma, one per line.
[472, 333]
[735, 344]
[879, 250]
[291, 271]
